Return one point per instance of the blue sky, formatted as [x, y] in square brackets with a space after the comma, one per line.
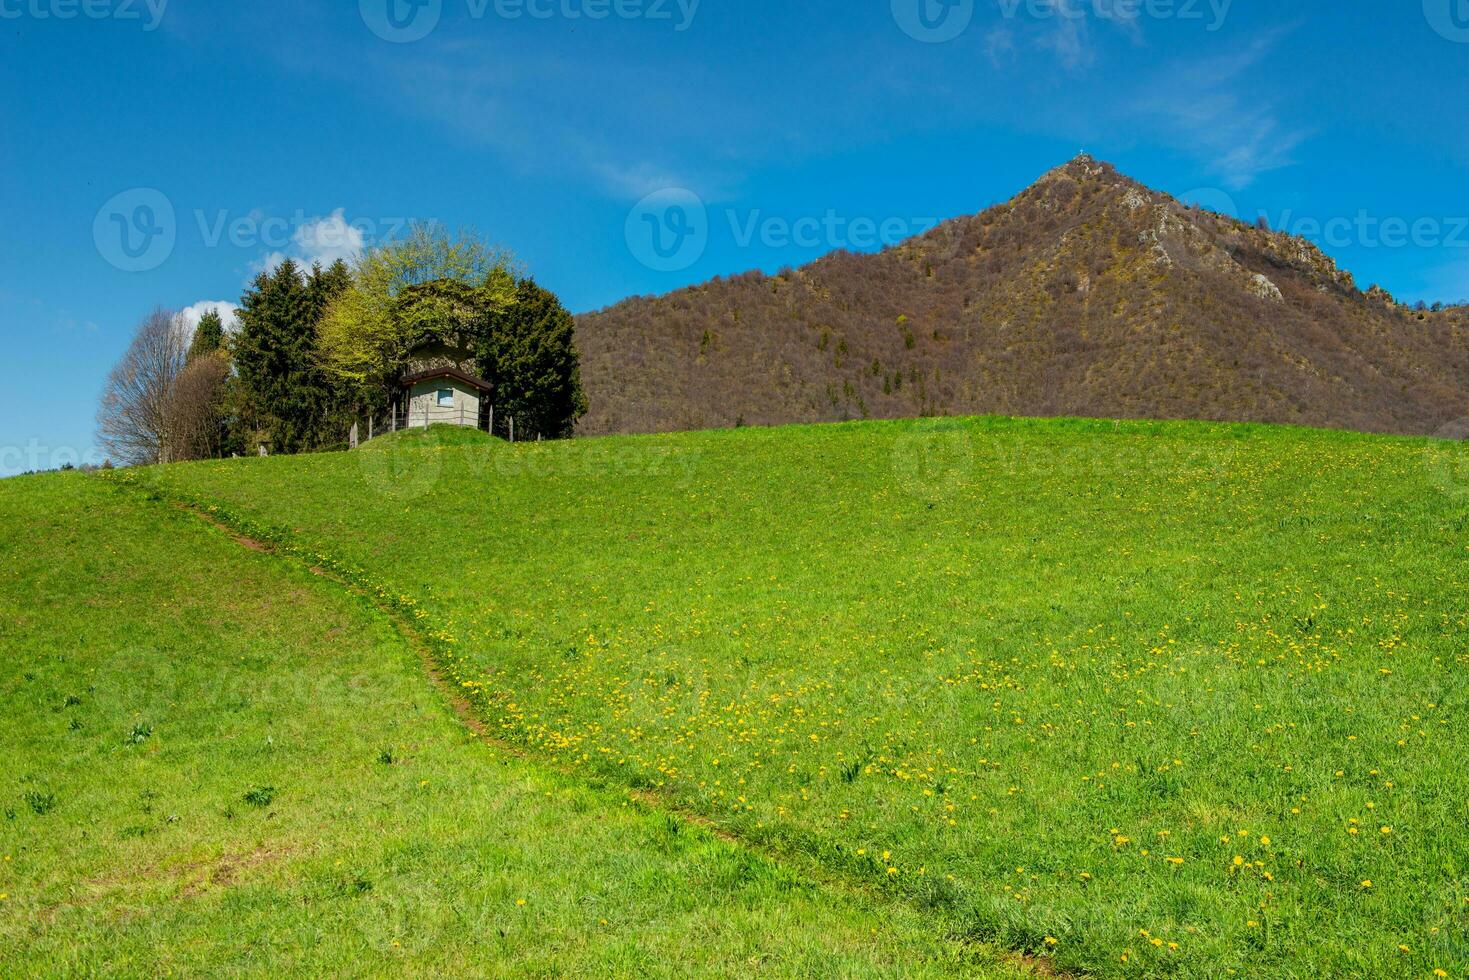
[221, 135]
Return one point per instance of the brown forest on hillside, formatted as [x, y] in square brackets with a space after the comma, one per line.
[1087, 294]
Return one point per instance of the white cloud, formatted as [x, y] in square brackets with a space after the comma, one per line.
[1240, 135]
[188, 318]
[319, 241]
[328, 239]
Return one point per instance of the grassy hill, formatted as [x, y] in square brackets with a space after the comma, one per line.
[1086, 294]
[1142, 698]
[218, 763]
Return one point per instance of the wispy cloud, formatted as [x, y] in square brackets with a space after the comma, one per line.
[1208, 108]
[1068, 35]
[551, 113]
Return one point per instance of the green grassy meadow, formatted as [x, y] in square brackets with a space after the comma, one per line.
[217, 763]
[1141, 699]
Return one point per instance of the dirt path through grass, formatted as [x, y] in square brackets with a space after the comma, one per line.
[217, 762]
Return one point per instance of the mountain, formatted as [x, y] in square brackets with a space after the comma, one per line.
[1086, 294]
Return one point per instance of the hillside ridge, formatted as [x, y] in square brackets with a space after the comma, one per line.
[1086, 294]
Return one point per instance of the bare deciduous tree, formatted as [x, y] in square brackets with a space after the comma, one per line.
[134, 417]
[192, 423]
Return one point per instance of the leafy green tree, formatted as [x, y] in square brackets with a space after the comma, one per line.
[457, 290]
[335, 408]
[428, 284]
[448, 311]
[208, 335]
[529, 353]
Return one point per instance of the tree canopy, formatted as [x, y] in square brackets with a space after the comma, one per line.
[459, 291]
[315, 349]
[425, 284]
[208, 335]
[530, 355]
[285, 396]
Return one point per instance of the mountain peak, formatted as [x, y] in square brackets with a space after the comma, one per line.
[1085, 168]
[1085, 294]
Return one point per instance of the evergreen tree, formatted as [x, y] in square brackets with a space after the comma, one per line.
[274, 360]
[528, 351]
[208, 335]
[325, 285]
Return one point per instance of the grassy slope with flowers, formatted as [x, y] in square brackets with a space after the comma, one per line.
[216, 763]
[1144, 698]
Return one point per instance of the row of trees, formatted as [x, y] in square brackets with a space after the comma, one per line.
[314, 350]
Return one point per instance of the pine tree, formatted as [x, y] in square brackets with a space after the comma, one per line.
[273, 359]
[208, 335]
[325, 285]
[529, 353]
